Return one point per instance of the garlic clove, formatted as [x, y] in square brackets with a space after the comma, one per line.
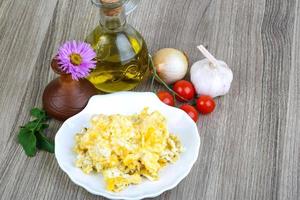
[211, 80]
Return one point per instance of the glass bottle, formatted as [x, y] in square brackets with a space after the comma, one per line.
[122, 54]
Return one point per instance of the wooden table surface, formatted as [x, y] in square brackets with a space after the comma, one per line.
[250, 144]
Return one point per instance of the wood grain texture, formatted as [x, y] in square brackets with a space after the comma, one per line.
[250, 144]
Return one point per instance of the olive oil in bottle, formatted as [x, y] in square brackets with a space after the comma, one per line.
[122, 55]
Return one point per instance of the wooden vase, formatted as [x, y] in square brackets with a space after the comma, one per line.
[64, 97]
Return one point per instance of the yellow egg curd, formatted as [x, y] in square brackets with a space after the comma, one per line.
[126, 148]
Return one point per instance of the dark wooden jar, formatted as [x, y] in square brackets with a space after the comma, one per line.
[64, 97]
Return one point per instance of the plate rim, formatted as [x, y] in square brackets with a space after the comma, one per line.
[145, 195]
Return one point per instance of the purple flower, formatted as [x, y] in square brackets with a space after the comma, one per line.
[76, 58]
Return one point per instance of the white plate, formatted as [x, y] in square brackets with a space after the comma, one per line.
[128, 103]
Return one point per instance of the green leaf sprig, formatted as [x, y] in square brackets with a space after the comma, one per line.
[31, 136]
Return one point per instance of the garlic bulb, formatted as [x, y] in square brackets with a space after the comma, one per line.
[171, 64]
[210, 76]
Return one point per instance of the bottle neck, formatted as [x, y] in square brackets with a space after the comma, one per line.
[112, 19]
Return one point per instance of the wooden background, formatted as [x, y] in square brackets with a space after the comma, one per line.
[250, 144]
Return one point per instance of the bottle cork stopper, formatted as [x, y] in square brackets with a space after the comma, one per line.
[112, 11]
[109, 1]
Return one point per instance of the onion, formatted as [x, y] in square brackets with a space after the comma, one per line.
[171, 64]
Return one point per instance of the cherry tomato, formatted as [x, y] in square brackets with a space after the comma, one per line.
[205, 104]
[166, 97]
[191, 111]
[185, 89]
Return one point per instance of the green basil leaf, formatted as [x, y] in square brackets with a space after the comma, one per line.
[44, 143]
[38, 113]
[28, 141]
[43, 127]
[31, 134]
[32, 125]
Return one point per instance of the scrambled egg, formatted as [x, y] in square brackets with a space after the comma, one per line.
[126, 148]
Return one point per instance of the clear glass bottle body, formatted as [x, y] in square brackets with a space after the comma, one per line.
[122, 55]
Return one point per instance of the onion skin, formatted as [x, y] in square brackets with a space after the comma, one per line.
[171, 64]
